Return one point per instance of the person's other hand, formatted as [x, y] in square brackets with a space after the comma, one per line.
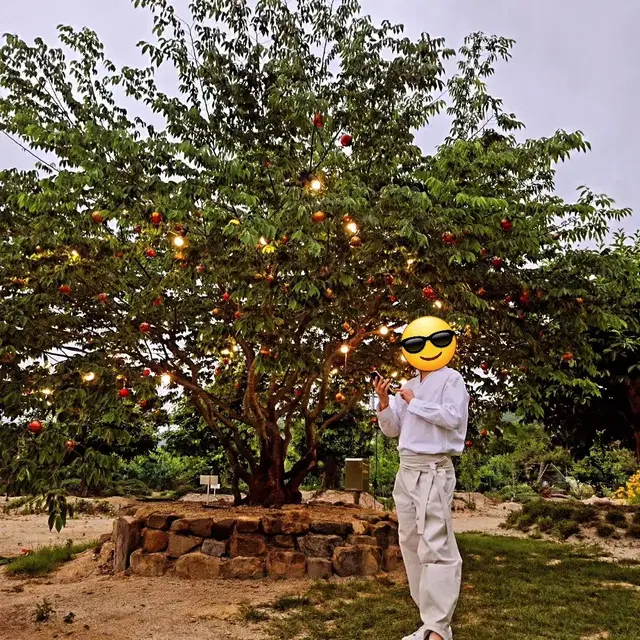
[407, 395]
[381, 386]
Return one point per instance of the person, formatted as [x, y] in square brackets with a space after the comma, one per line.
[429, 415]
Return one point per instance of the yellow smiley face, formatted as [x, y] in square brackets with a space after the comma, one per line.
[431, 354]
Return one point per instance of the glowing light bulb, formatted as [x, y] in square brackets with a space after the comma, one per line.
[333, 372]
[225, 352]
[75, 254]
[352, 227]
[394, 374]
[410, 261]
[166, 378]
[384, 331]
[344, 348]
[263, 241]
[402, 358]
[89, 376]
[438, 304]
[179, 241]
[315, 185]
[236, 348]
[47, 392]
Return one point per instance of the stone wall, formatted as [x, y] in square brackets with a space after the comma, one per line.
[287, 544]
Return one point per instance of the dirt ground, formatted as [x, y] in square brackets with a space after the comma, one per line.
[129, 607]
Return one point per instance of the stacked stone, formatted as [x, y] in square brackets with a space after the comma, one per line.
[287, 544]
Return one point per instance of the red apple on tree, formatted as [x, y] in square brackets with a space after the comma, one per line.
[318, 120]
[448, 237]
[102, 297]
[35, 426]
[145, 327]
[64, 289]
[146, 373]
[484, 433]
[124, 393]
[429, 293]
[318, 216]
[496, 262]
[226, 296]
[156, 217]
[97, 217]
[151, 253]
[346, 140]
[484, 366]
[506, 225]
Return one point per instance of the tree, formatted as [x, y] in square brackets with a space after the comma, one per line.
[238, 237]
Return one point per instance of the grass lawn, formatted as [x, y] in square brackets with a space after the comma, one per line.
[45, 559]
[512, 588]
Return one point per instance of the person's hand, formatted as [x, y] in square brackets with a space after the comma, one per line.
[381, 386]
[407, 395]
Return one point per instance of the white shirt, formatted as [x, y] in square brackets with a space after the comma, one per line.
[435, 421]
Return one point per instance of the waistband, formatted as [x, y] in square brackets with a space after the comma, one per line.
[425, 461]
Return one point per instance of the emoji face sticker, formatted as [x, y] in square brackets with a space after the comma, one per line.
[428, 343]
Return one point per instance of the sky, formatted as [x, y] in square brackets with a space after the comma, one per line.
[574, 67]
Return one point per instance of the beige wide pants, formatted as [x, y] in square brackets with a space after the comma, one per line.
[423, 494]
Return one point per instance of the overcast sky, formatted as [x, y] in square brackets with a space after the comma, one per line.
[575, 66]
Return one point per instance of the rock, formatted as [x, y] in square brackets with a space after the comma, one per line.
[601, 502]
[360, 540]
[330, 527]
[222, 529]
[369, 517]
[284, 542]
[294, 522]
[216, 548]
[247, 525]
[286, 564]
[391, 558]
[360, 560]
[386, 533]
[198, 566]
[179, 545]
[149, 564]
[154, 540]
[201, 527]
[180, 526]
[247, 545]
[105, 557]
[161, 520]
[317, 546]
[126, 537]
[242, 568]
[319, 568]
[105, 537]
[360, 527]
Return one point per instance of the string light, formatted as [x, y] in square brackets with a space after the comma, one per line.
[179, 241]
[236, 348]
[166, 378]
[263, 241]
[90, 376]
[316, 184]
[410, 261]
[225, 352]
[394, 374]
[438, 304]
[344, 349]
[47, 392]
[384, 331]
[352, 227]
[402, 358]
[333, 372]
[75, 254]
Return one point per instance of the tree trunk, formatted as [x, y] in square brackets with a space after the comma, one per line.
[268, 486]
[330, 474]
[633, 395]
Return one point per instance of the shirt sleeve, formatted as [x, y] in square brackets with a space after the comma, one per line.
[388, 419]
[450, 414]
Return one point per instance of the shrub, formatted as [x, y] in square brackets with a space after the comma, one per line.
[566, 528]
[605, 530]
[43, 611]
[585, 513]
[634, 531]
[616, 518]
[631, 490]
[545, 524]
[517, 493]
[606, 467]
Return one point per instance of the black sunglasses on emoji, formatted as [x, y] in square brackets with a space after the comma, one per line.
[439, 339]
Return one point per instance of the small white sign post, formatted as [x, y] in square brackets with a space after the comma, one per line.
[212, 483]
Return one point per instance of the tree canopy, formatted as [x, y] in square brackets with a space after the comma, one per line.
[254, 239]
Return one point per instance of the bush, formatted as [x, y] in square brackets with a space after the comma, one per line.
[517, 493]
[164, 471]
[566, 528]
[605, 467]
[616, 518]
[605, 530]
[545, 524]
[585, 513]
[634, 531]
